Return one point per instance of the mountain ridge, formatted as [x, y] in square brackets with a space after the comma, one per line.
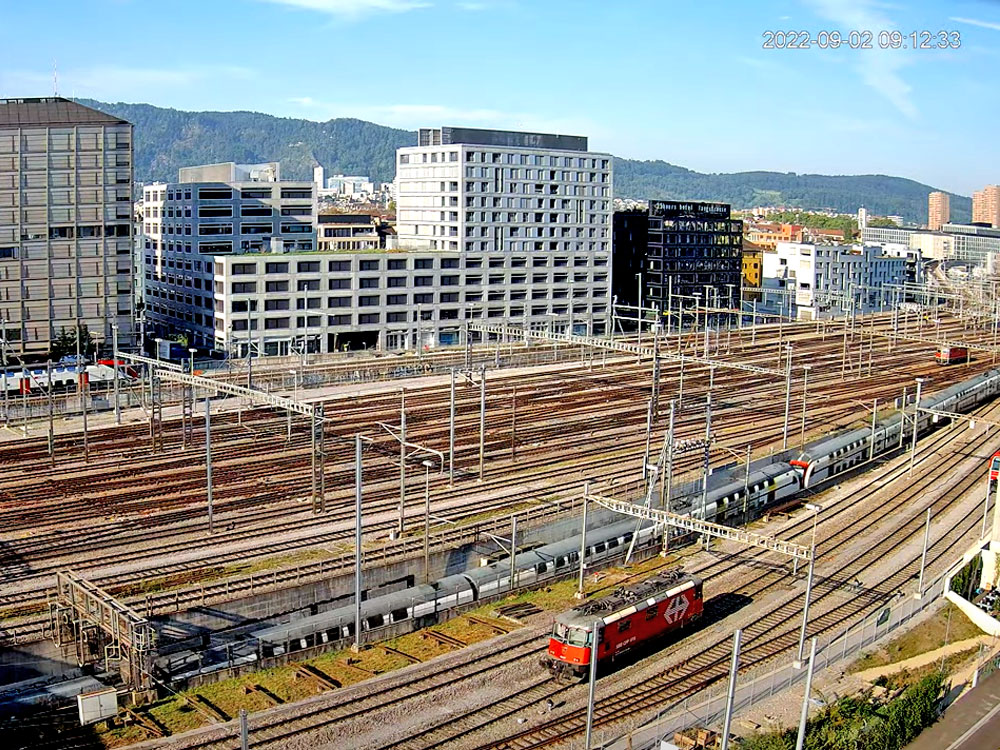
[167, 139]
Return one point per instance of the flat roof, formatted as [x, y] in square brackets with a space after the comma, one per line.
[51, 110]
[509, 138]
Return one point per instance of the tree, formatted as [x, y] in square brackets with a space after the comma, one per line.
[64, 344]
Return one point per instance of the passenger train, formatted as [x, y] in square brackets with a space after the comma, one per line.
[35, 381]
[730, 502]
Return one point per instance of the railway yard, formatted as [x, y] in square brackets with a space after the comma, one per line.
[126, 508]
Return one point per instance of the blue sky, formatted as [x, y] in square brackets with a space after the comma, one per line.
[687, 82]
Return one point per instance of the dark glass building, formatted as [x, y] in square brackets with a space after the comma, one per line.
[692, 247]
[629, 241]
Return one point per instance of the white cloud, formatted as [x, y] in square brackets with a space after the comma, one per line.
[354, 8]
[112, 82]
[879, 69]
[976, 22]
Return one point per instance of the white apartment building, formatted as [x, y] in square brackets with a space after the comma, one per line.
[65, 223]
[822, 276]
[503, 227]
[214, 211]
[502, 197]
[961, 242]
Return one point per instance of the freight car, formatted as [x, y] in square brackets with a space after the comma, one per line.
[629, 618]
[951, 355]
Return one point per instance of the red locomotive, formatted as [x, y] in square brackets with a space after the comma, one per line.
[995, 466]
[951, 355]
[628, 618]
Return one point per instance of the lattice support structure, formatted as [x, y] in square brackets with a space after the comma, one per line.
[318, 461]
[624, 347]
[705, 528]
[82, 611]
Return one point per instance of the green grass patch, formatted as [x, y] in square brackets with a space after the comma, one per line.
[907, 677]
[931, 634]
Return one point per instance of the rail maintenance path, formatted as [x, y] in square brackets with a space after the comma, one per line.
[971, 723]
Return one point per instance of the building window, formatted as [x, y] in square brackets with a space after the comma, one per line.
[340, 284]
[338, 320]
[423, 263]
[276, 268]
[296, 193]
[271, 324]
[396, 264]
[369, 318]
[337, 266]
[396, 281]
[276, 286]
[368, 301]
[369, 283]
[423, 299]
[244, 268]
[307, 266]
[395, 299]
[244, 287]
[215, 194]
[276, 304]
[338, 301]
[208, 212]
[395, 317]
[368, 265]
[308, 285]
[256, 211]
[423, 281]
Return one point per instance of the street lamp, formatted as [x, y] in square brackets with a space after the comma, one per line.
[428, 465]
[805, 392]
[191, 353]
[157, 352]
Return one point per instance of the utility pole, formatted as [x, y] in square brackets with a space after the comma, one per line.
[871, 443]
[402, 459]
[583, 542]
[208, 462]
[916, 419]
[482, 420]
[114, 346]
[801, 738]
[451, 431]
[805, 394]
[708, 445]
[427, 520]
[513, 548]
[357, 543]
[809, 581]
[788, 395]
[734, 669]
[51, 400]
[923, 556]
[594, 641]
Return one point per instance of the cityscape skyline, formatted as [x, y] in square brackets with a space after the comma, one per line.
[805, 111]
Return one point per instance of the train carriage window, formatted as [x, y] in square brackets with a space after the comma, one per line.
[398, 614]
[599, 548]
[612, 543]
[651, 612]
[627, 537]
[560, 562]
[540, 567]
[624, 625]
[375, 621]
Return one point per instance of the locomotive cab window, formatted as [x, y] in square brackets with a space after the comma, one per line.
[399, 614]
[995, 465]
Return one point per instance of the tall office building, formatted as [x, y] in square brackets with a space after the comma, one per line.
[938, 210]
[65, 223]
[214, 211]
[986, 206]
[535, 209]
[694, 249]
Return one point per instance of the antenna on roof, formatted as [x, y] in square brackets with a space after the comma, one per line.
[55, 78]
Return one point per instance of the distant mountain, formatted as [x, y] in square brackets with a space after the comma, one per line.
[167, 139]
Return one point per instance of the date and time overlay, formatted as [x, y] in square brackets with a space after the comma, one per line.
[863, 40]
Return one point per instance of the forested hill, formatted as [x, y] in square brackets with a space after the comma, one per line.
[167, 139]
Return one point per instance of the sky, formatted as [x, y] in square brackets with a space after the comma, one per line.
[686, 82]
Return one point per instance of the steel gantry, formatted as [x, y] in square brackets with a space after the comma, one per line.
[624, 347]
[256, 398]
[80, 607]
[706, 528]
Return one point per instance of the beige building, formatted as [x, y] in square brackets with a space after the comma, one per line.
[347, 233]
[938, 210]
[65, 222]
[986, 206]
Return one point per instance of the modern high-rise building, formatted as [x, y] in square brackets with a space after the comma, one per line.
[986, 206]
[695, 252]
[214, 211]
[534, 208]
[65, 223]
[938, 210]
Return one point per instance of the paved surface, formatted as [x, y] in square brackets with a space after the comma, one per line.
[972, 723]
